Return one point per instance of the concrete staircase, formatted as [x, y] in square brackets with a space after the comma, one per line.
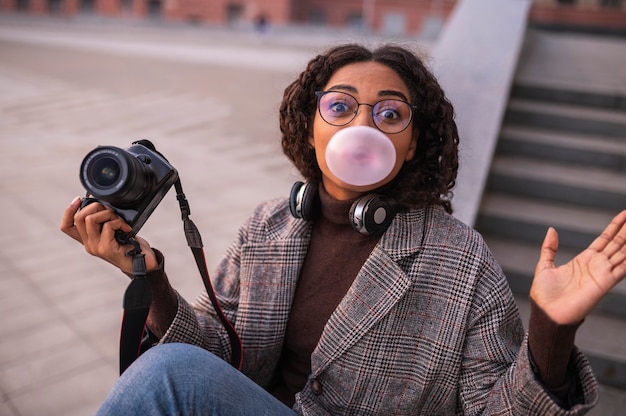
[542, 122]
[560, 161]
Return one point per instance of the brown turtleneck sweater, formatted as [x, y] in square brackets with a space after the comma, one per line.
[336, 254]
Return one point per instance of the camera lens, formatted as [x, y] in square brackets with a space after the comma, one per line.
[115, 176]
[104, 171]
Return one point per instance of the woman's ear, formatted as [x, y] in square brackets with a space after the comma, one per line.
[309, 131]
[410, 153]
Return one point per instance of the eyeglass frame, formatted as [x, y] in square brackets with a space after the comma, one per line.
[320, 94]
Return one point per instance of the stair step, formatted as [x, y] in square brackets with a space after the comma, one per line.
[563, 148]
[527, 220]
[567, 96]
[561, 162]
[609, 123]
[601, 338]
[584, 186]
[567, 175]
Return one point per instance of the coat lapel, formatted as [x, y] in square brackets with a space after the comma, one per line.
[269, 286]
[378, 287]
[267, 291]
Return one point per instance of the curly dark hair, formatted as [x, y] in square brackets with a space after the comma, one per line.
[425, 180]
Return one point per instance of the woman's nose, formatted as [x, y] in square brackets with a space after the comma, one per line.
[364, 116]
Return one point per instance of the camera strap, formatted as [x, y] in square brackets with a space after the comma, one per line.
[194, 241]
[137, 301]
[138, 295]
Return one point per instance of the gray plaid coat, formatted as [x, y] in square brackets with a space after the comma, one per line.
[429, 326]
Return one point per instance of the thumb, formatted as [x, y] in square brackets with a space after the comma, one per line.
[548, 251]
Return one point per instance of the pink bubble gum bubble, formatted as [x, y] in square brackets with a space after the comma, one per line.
[360, 155]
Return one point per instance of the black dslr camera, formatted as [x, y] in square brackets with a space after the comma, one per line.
[131, 181]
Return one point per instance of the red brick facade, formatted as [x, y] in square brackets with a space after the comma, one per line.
[606, 18]
[389, 16]
[224, 11]
[401, 16]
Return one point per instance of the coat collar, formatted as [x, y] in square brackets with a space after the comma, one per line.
[377, 288]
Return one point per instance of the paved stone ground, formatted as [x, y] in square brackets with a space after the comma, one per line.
[207, 98]
[60, 308]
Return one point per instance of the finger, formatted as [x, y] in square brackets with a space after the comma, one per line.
[91, 231]
[618, 259]
[613, 238]
[67, 220]
[94, 222]
[619, 271]
[110, 227]
[90, 208]
[548, 251]
[84, 212]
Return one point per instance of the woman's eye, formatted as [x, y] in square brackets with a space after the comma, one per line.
[389, 114]
[391, 111]
[339, 107]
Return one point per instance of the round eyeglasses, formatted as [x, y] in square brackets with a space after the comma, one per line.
[339, 108]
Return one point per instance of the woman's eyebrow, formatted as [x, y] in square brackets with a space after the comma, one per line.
[383, 93]
[343, 87]
[393, 93]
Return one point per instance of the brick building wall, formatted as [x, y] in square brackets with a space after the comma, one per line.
[208, 11]
[401, 17]
[605, 15]
[391, 16]
[227, 11]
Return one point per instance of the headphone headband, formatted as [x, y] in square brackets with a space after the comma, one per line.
[369, 214]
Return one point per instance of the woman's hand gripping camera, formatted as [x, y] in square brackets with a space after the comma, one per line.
[94, 226]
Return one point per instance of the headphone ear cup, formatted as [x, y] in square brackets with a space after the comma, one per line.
[372, 214]
[303, 201]
[294, 199]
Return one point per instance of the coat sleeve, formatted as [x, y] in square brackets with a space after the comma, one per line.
[197, 323]
[496, 376]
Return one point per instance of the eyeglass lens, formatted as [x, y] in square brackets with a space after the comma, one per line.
[339, 109]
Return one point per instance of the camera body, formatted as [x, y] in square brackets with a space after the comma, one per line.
[131, 181]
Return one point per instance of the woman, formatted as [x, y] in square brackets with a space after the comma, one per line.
[412, 316]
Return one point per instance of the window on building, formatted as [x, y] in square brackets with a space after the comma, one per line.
[611, 3]
[87, 6]
[394, 24]
[126, 5]
[317, 17]
[234, 12]
[22, 5]
[355, 21]
[55, 6]
[154, 9]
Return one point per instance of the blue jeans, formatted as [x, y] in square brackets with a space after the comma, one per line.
[182, 379]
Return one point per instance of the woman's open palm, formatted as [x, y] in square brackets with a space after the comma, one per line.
[568, 293]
